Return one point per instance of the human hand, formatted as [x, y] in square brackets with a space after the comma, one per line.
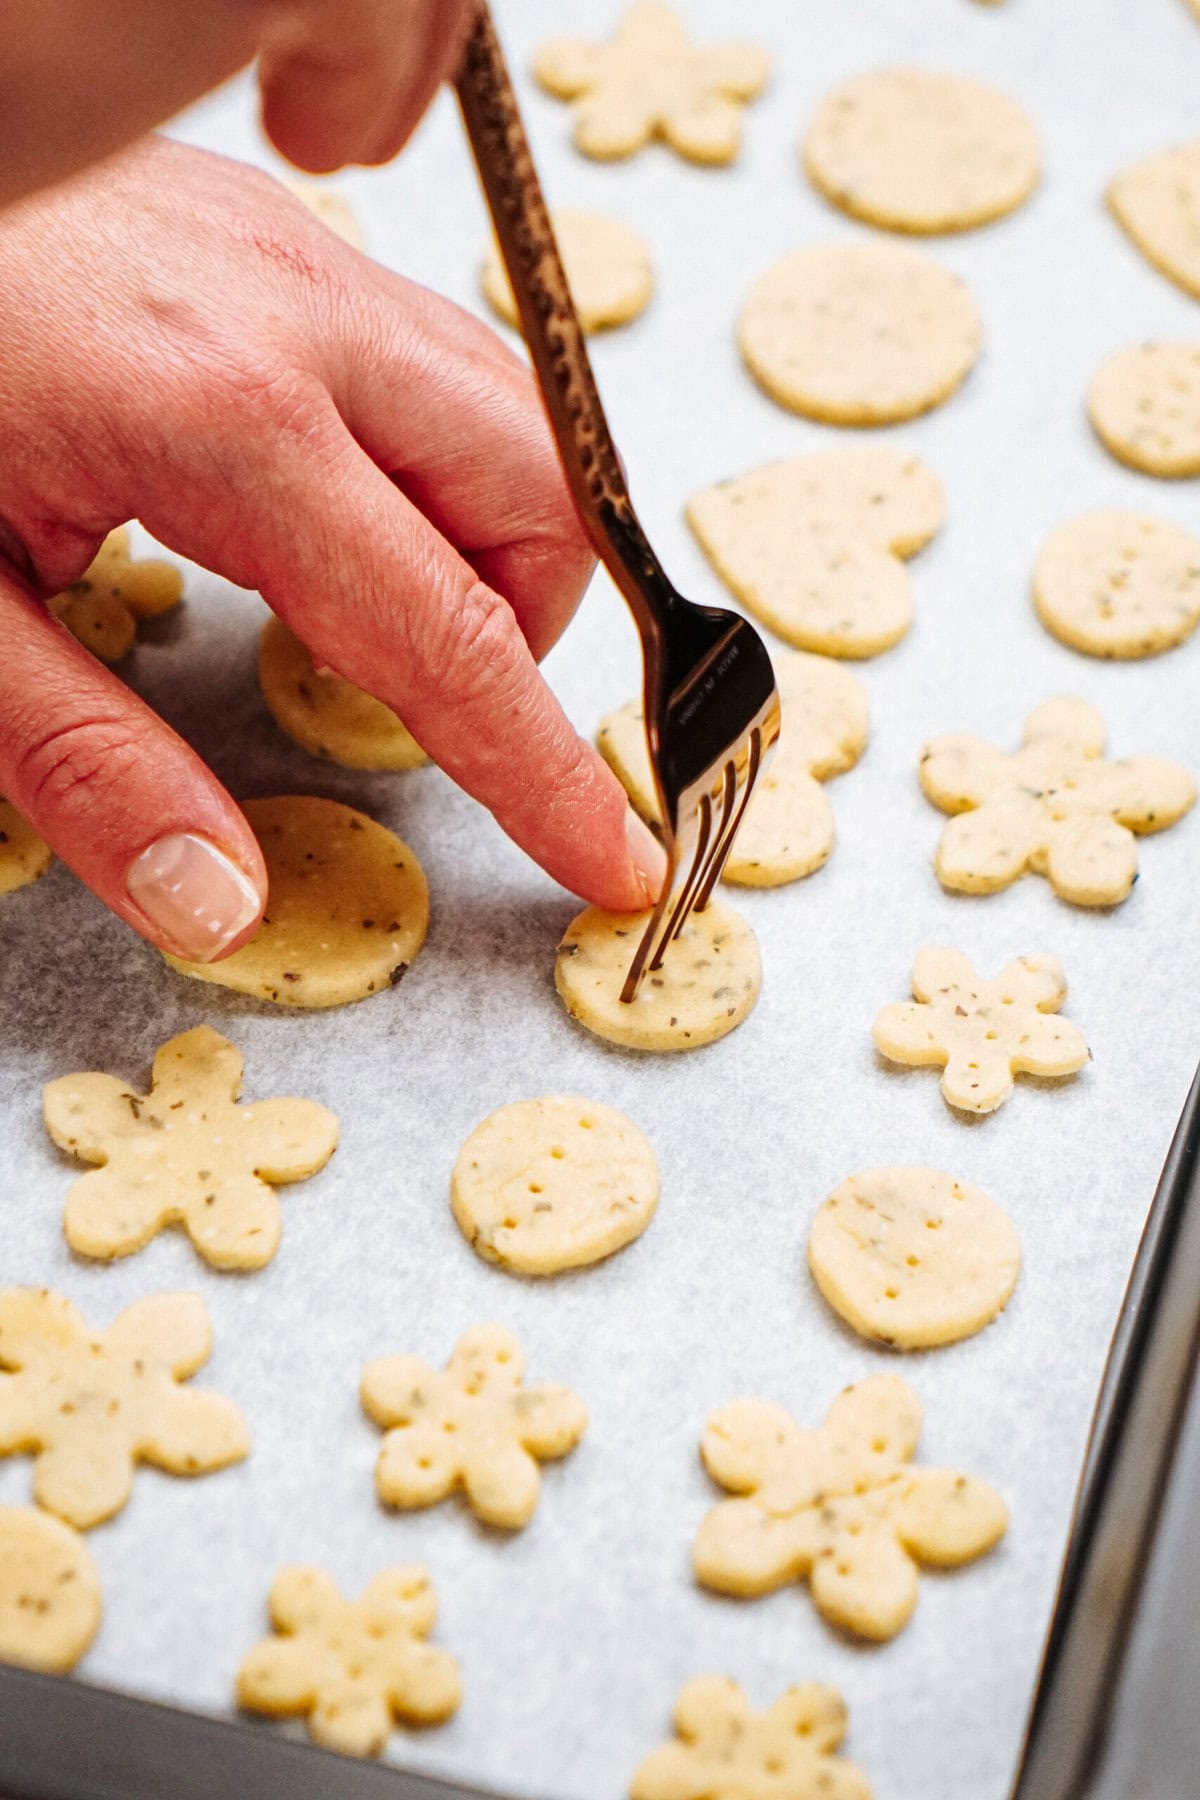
[185, 344]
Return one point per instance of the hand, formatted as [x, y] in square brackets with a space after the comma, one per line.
[185, 344]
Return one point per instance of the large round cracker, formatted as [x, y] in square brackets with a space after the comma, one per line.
[1118, 584]
[49, 1592]
[607, 265]
[1144, 405]
[325, 714]
[1157, 203]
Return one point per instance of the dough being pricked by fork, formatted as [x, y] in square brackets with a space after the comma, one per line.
[708, 982]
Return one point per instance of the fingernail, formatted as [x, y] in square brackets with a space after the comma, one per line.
[192, 894]
[646, 854]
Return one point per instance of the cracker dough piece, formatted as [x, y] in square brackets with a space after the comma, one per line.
[1157, 203]
[788, 828]
[325, 714]
[1056, 807]
[607, 265]
[859, 333]
[911, 1258]
[723, 1750]
[49, 1592]
[1118, 584]
[89, 1405]
[185, 1153]
[1144, 405]
[708, 983]
[23, 854]
[474, 1426]
[649, 82]
[551, 1184]
[916, 150]
[103, 607]
[811, 546]
[330, 206]
[841, 1507]
[347, 912]
[351, 1667]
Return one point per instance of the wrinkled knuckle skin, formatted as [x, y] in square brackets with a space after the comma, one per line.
[71, 773]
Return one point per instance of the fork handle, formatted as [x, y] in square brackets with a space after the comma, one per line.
[551, 327]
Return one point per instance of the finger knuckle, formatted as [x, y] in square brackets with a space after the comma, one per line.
[73, 769]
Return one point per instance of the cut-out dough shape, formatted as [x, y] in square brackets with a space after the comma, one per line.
[326, 715]
[1118, 584]
[841, 1507]
[49, 1592]
[1055, 807]
[1157, 203]
[473, 1426]
[607, 265]
[351, 1667]
[103, 607]
[88, 1405]
[649, 82]
[331, 207]
[1144, 404]
[724, 1750]
[184, 1153]
[23, 855]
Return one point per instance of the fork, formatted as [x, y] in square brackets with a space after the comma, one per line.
[711, 706]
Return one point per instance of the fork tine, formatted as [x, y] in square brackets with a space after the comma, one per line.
[649, 951]
[729, 832]
[689, 899]
[683, 905]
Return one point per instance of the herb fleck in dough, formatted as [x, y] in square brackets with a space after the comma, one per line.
[325, 714]
[103, 607]
[607, 265]
[23, 854]
[1118, 584]
[49, 1592]
[1157, 202]
[1144, 404]
[708, 983]
[347, 910]
[554, 1183]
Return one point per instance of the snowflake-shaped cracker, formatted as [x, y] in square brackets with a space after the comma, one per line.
[186, 1152]
[103, 607]
[839, 1505]
[474, 1426]
[648, 82]
[351, 1665]
[91, 1404]
[1055, 807]
[726, 1751]
[981, 1032]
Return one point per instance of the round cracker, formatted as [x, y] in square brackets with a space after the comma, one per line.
[23, 854]
[1118, 584]
[326, 715]
[347, 911]
[912, 1258]
[552, 1184]
[49, 1592]
[1157, 203]
[607, 266]
[859, 333]
[708, 983]
[916, 150]
[1144, 405]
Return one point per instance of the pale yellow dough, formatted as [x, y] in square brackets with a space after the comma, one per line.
[788, 829]
[1157, 202]
[1118, 584]
[813, 546]
[347, 911]
[331, 207]
[839, 1506]
[1144, 404]
[911, 1258]
[921, 151]
[724, 1750]
[49, 1592]
[607, 266]
[554, 1183]
[103, 607]
[185, 1153]
[325, 714]
[864, 332]
[23, 854]
[351, 1667]
[708, 982]
[474, 1426]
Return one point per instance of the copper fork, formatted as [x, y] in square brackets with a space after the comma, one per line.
[711, 704]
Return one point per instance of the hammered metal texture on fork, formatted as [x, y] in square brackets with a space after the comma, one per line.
[711, 704]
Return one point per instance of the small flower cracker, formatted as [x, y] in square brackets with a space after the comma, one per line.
[474, 1427]
[724, 1750]
[103, 607]
[351, 1666]
[23, 855]
[91, 1404]
[185, 1153]
[840, 1507]
[1055, 807]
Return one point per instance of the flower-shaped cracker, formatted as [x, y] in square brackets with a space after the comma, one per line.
[980, 1032]
[185, 1152]
[91, 1404]
[23, 854]
[726, 1751]
[351, 1665]
[474, 1426]
[1055, 807]
[839, 1505]
[648, 82]
[103, 607]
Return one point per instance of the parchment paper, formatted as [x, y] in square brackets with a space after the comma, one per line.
[575, 1635]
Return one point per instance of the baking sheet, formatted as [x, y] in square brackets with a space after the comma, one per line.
[575, 1635]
